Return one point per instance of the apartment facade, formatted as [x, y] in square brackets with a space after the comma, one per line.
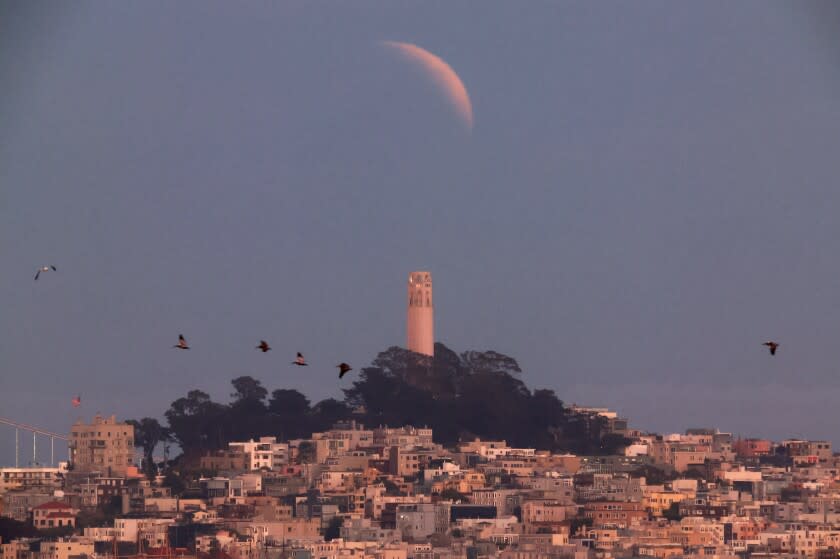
[103, 446]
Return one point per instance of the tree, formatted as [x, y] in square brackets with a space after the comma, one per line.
[652, 474]
[469, 395]
[578, 523]
[544, 414]
[112, 507]
[173, 481]
[93, 518]
[247, 415]
[672, 513]
[614, 443]
[288, 402]
[453, 495]
[374, 392]
[327, 412]
[56, 532]
[391, 488]
[248, 389]
[11, 529]
[290, 409]
[197, 423]
[490, 362]
[148, 432]
[333, 529]
[474, 394]
[306, 453]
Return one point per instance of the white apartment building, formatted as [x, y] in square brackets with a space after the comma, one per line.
[152, 530]
[265, 453]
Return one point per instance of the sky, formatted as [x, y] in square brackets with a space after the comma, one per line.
[648, 193]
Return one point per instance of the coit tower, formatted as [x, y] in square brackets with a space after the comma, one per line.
[421, 314]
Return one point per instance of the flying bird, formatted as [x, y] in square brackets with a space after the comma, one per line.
[300, 361]
[343, 368]
[182, 343]
[263, 346]
[77, 401]
[44, 269]
[772, 346]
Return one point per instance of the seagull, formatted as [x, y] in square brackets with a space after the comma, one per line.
[182, 343]
[44, 269]
[300, 361]
[772, 346]
[343, 368]
[263, 346]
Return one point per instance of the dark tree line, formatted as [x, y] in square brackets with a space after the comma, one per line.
[474, 394]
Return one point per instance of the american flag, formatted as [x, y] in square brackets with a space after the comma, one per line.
[77, 401]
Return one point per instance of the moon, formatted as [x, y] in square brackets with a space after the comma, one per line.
[442, 74]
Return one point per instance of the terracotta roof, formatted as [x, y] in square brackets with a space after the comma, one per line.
[53, 505]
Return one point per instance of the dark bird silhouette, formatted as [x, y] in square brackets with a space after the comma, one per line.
[343, 368]
[182, 343]
[300, 361]
[772, 346]
[44, 269]
[263, 346]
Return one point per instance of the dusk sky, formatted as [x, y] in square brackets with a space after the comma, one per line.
[649, 191]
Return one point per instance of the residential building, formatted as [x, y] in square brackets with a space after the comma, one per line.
[37, 477]
[53, 514]
[103, 446]
[265, 453]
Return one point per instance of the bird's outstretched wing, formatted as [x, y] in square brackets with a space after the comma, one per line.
[37, 274]
[53, 268]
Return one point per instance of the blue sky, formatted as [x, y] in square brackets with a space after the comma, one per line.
[649, 193]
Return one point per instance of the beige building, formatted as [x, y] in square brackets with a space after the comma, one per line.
[152, 530]
[657, 502]
[345, 436]
[404, 437]
[16, 549]
[65, 549]
[53, 515]
[539, 515]
[35, 477]
[102, 446]
[223, 460]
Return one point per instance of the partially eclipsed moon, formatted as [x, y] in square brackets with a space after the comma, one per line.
[442, 74]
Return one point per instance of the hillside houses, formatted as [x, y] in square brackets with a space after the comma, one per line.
[390, 492]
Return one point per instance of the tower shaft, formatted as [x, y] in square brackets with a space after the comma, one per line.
[420, 325]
